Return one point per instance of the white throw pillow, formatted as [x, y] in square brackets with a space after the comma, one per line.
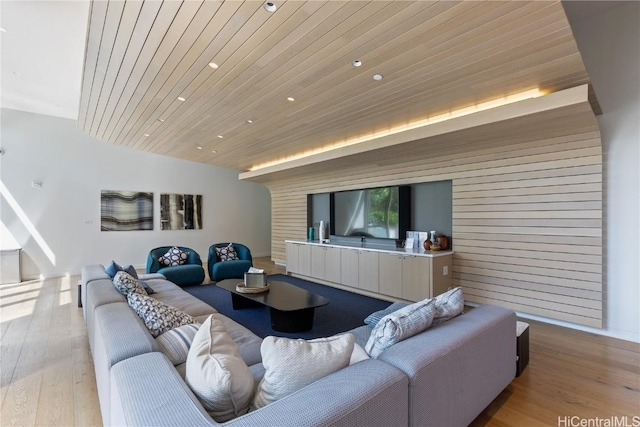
[448, 305]
[291, 364]
[400, 325]
[217, 374]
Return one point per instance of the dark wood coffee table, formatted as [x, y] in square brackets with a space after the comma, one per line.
[291, 308]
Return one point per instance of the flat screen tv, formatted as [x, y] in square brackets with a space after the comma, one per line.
[383, 213]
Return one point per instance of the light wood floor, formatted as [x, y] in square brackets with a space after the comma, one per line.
[48, 378]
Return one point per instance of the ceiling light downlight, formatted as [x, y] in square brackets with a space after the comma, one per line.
[181, 99]
[213, 65]
[249, 121]
[146, 134]
[270, 7]
[356, 63]
[377, 77]
[291, 99]
[199, 148]
[220, 136]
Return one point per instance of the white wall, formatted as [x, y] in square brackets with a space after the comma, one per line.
[74, 168]
[610, 46]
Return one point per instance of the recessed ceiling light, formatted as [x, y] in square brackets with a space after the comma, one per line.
[220, 136]
[161, 120]
[181, 99]
[146, 134]
[249, 121]
[356, 63]
[15, 73]
[291, 99]
[213, 65]
[199, 148]
[214, 151]
[377, 77]
[269, 6]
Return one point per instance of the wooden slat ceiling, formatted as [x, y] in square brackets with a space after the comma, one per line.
[435, 56]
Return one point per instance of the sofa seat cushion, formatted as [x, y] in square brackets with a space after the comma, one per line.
[185, 302]
[230, 269]
[162, 285]
[191, 274]
[291, 364]
[157, 316]
[400, 325]
[217, 374]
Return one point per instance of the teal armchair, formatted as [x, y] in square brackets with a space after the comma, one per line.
[189, 273]
[235, 269]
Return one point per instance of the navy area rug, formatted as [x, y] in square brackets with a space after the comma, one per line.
[346, 310]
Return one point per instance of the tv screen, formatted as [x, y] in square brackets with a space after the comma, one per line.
[382, 213]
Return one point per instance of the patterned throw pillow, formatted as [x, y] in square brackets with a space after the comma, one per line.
[375, 317]
[400, 325]
[175, 344]
[227, 253]
[157, 316]
[174, 256]
[448, 305]
[126, 284]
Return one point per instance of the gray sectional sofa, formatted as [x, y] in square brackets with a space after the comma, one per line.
[444, 376]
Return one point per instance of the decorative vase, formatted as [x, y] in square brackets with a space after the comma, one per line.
[443, 241]
[427, 244]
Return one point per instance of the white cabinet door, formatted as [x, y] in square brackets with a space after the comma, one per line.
[368, 271]
[349, 267]
[318, 254]
[390, 274]
[332, 265]
[416, 277]
[292, 257]
[304, 259]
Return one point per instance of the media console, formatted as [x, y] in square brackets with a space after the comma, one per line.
[388, 273]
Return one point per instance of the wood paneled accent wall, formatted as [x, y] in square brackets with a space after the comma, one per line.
[527, 207]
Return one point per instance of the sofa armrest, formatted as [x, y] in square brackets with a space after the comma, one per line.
[469, 359]
[119, 335]
[146, 390]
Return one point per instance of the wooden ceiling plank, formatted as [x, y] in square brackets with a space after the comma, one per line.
[94, 37]
[160, 26]
[115, 10]
[222, 50]
[171, 37]
[275, 90]
[198, 107]
[145, 21]
[128, 22]
[183, 55]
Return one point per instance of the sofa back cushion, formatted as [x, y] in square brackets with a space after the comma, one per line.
[217, 374]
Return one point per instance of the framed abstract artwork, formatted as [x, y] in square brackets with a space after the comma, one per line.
[126, 210]
[180, 212]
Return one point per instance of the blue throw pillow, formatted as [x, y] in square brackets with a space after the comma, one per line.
[147, 288]
[373, 319]
[113, 268]
[131, 270]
